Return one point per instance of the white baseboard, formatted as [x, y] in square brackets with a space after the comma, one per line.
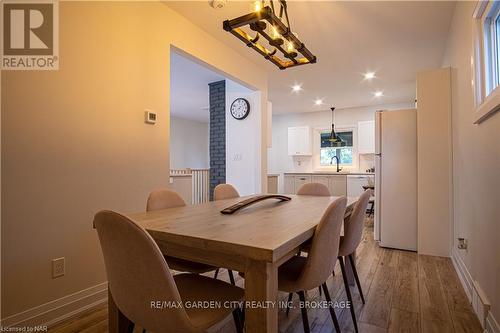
[492, 325]
[53, 312]
[475, 294]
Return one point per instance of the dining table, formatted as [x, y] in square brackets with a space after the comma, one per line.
[255, 240]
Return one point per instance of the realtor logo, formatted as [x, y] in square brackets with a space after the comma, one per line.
[30, 35]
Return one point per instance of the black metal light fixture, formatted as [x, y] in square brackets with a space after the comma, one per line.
[335, 140]
[266, 23]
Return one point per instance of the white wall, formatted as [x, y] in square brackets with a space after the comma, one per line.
[85, 146]
[188, 144]
[278, 159]
[476, 161]
[243, 139]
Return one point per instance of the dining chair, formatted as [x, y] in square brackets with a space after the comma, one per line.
[225, 191]
[222, 192]
[316, 189]
[300, 274]
[164, 199]
[138, 275]
[349, 242]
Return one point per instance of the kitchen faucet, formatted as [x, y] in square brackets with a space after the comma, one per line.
[337, 158]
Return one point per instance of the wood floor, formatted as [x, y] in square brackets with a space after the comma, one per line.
[404, 292]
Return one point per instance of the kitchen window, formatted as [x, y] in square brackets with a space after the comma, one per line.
[486, 59]
[344, 153]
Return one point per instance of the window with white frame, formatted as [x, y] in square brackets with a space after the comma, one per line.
[327, 153]
[486, 58]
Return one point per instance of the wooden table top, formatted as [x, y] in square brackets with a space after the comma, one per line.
[265, 231]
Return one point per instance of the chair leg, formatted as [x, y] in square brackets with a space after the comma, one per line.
[216, 273]
[290, 297]
[237, 320]
[351, 260]
[330, 307]
[303, 310]
[231, 277]
[348, 292]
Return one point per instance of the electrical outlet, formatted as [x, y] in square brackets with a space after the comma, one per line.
[58, 267]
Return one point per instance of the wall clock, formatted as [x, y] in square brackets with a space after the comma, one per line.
[240, 108]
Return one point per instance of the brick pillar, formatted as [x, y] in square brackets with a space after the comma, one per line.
[217, 102]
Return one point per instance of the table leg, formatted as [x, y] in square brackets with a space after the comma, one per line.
[349, 272]
[117, 322]
[261, 286]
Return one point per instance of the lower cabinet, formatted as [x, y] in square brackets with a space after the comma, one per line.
[325, 180]
[289, 184]
[301, 180]
[337, 184]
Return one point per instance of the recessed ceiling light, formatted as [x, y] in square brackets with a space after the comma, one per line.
[378, 94]
[369, 75]
[296, 87]
[318, 102]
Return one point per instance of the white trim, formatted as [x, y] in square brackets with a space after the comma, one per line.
[475, 295]
[55, 311]
[492, 325]
[463, 273]
[486, 102]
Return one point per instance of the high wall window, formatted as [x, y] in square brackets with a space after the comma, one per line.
[344, 154]
[486, 59]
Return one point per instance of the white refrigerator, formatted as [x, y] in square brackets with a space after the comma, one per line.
[396, 179]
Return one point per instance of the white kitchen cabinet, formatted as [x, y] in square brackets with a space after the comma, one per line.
[366, 137]
[355, 184]
[325, 180]
[299, 141]
[301, 180]
[289, 184]
[337, 185]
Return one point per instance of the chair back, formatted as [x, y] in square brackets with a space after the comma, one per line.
[164, 199]
[317, 189]
[353, 228]
[324, 248]
[225, 191]
[138, 274]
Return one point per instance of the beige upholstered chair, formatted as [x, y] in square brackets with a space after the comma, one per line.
[222, 192]
[353, 233]
[138, 274]
[300, 274]
[225, 191]
[164, 199]
[316, 189]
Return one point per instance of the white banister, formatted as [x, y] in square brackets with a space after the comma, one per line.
[200, 183]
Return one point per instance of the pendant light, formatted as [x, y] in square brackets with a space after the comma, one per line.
[335, 140]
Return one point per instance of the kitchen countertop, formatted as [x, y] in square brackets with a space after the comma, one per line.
[273, 174]
[354, 173]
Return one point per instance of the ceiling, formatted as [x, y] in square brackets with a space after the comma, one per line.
[189, 88]
[393, 39]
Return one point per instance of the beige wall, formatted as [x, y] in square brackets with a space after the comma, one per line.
[434, 162]
[74, 140]
[476, 161]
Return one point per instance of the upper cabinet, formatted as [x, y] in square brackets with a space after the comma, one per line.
[366, 137]
[299, 141]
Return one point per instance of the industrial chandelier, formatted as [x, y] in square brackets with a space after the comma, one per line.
[335, 140]
[266, 23]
